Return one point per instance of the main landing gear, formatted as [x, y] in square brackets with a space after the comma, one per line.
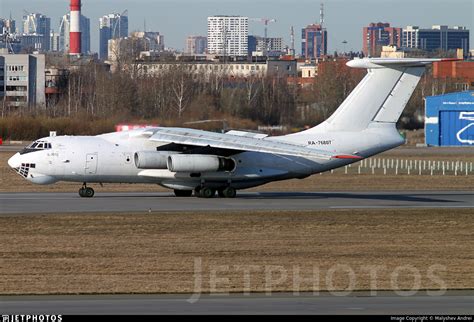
[228, 192]
[86, 192]
[207, 192]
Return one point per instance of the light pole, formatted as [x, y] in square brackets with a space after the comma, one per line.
[344, 42]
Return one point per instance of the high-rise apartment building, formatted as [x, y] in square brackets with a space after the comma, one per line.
[196, 45]
[436, 38]
[111, 26]
[64, 28]
[314, 41]
[377, 35]
[227, 35]
[36, 24]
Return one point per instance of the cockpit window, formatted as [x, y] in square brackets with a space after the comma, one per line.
[36, 146]
[39, 145]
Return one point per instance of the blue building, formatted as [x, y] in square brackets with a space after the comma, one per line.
[252, 44]
[314, 41]
[437, 38]
[37, 32]
[449, 119]
[111, 26]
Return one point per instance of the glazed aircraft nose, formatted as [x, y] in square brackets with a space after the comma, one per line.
[14, 161]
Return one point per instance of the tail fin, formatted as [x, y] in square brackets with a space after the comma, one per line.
[381, 96]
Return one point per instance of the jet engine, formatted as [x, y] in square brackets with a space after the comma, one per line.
[199, 163]
[151, 159]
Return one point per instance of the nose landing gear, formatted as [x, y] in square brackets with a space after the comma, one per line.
[86, 192]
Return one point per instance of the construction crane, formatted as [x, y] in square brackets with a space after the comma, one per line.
[265, 21]
[118, 23]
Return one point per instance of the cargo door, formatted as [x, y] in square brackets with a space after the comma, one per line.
[91, 163]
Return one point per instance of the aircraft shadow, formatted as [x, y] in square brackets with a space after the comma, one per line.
[396, 197]
[354, 196]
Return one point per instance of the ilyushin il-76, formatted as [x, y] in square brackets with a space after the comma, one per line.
[200, 162]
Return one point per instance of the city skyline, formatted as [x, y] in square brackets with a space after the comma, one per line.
[340, 20]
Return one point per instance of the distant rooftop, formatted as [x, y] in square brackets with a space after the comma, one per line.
[436, 27]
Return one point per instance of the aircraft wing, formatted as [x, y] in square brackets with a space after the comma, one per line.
[238, 143]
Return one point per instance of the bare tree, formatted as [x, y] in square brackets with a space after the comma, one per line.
[252, 86]
[182, 89]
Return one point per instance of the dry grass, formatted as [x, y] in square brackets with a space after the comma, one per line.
[155, 253]
[415, 137]
[338, 181]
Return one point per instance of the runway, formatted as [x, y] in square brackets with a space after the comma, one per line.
[28, 203]
[454, 302]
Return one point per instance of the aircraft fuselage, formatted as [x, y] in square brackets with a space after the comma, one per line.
[109, 158]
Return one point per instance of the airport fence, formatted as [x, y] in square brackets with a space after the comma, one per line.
[384, 166]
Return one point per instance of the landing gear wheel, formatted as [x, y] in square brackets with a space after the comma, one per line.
[207, 192]
[183, 193]
[229, 192]
[89, 192]
[86, 192]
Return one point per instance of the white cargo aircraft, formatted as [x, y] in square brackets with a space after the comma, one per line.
[188, 160]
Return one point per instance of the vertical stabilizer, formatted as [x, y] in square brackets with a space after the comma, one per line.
[381, 96]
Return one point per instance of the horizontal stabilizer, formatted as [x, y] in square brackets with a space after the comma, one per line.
[369, 63]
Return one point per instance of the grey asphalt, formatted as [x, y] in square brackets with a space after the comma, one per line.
[455, 302]
[28, 203]
[13, 148]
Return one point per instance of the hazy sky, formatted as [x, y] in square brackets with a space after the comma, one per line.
[176, 19]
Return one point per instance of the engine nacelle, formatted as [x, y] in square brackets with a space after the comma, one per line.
[151, 159]
[199, 163]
